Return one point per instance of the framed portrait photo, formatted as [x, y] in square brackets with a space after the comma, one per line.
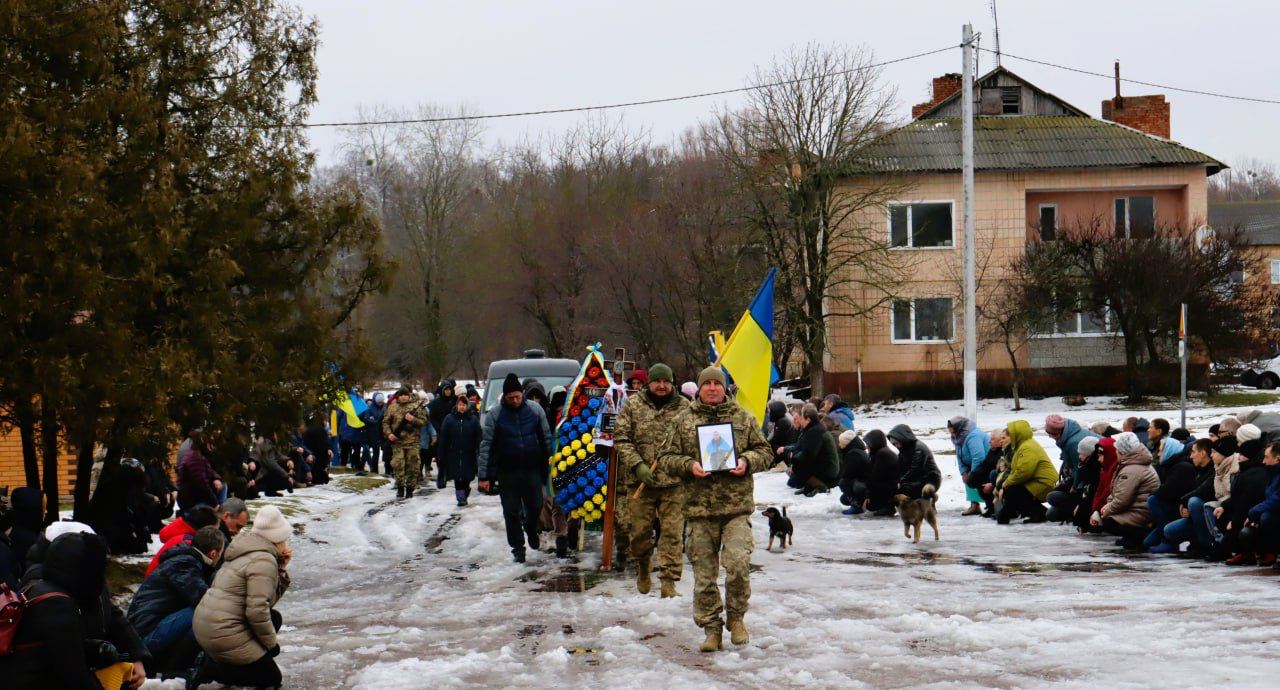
[715, 447]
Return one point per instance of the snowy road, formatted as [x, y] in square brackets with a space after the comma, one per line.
[420, 594]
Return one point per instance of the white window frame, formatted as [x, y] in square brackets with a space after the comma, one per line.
[913, 340]
[1275, 271]
[888, 224]
[1128, 219]
[1109, 328]
[1040, 216]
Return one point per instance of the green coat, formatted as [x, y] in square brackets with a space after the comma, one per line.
[1030, 466]
[642, 429]
[721, 494]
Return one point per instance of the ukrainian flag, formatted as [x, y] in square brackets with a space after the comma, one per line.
[748, 354]
[351, 406]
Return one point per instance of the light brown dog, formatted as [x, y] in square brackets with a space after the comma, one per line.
[914, 511]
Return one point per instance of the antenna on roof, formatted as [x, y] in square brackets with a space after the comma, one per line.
[996, 20]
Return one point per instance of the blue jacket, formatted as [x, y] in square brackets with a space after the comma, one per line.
[842, 413]
[372, 419]
[1069, 444]
[514, 439]
[973, 450]
[178, 583]
[428, 436]
[1272, 502]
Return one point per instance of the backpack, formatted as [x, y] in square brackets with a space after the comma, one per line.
[12, 606]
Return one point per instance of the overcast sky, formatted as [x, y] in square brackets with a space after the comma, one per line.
[535, 54]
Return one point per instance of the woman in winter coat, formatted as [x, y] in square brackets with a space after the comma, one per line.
[916, 465]
[1067, 435]
[1031, 476]
[782, 432]
[236, 622]
[814, 460]
[972, 446]
[1126, 515]
[883, 482]
[198, 483]
[855, 472]
[1071, 503]
[839, 411]
[459, 446]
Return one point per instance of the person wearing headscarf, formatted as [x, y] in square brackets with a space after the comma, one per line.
[1125, 514]
[1071, 502]
[1031, 475]
[972, 445]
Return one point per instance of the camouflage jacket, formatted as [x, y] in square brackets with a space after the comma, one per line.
[721, 494]
[408, 436]
[642, 428]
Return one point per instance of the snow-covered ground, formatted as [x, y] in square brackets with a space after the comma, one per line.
[421, 594]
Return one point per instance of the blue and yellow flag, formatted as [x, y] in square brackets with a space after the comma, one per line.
[748, 354]
[351, 406]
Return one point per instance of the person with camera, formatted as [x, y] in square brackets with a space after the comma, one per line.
[236, 621]
[71, 635]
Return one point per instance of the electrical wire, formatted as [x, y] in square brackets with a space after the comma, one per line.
[1166, 87]
[611, 106]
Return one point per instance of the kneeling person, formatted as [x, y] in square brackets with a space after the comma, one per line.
[166, 602]
[718, 507]
[642, 427]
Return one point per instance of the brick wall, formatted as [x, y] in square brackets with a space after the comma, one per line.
[943, 87]
[12, 474]
[1148, 114]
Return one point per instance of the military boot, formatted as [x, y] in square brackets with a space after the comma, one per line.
[714, 641]
[643, 583]
[669, 589]
[738, 632]
[399, 492]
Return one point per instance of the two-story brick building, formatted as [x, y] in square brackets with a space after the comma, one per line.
[1040, 164]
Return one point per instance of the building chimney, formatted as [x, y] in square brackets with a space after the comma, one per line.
[1148, 114]
[943, 87]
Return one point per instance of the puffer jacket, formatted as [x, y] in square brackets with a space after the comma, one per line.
[722, 494]
[514, 439]
[1030, 466]
[180, 582]
[916, 465]
[843, 414]
[1135, 481]
[1068, 448]
[460, 444]
[233, 620]
[643, 425]
[883, 482]
[815, 454]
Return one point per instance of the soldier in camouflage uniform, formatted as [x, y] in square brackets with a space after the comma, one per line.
[401, 425]
[718, 507]
[643, 424]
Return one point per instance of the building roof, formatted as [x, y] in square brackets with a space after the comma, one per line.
[1258, 220]
[991, 77]
[1025, 143]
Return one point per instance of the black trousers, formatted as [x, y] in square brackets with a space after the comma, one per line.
[1062, 506]
[1018, 502]
[347, 449]
[521, 496]
[1127, 532]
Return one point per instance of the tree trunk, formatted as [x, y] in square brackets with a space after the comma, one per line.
[813, 352]
[1017, 375]
[26, 414]
[49, 447]
[84, 467]
[1132, 372]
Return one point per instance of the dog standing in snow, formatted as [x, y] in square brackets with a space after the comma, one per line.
[915, 511]
[779, 526]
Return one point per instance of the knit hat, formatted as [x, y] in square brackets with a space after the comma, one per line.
[511, 384]
[403, 390]
[660, 372]
[270, 523]
[688, 389]
[1248, 432]
[1226, 446]
[846, 437]
[1228, 425]
[1055, 423]
[1127, 442]
[710, 374]
[639, 375]
[1087, 445]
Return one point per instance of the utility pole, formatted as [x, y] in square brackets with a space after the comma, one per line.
[970, 287]
[1182, 357]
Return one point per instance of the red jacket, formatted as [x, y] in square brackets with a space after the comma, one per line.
[173, 529]
[181, 538]
[1110, 460]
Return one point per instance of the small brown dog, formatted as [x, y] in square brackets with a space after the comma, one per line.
[779, 526]
[914, 511]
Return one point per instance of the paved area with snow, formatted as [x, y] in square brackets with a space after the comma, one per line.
[419, 593]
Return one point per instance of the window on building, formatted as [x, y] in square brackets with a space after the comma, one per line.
[1275, 271]
[919, 225]
[924, 319]
[1136, 217]
[1011, 100]
[1048, 222]
[990, 102]
[1081, 321]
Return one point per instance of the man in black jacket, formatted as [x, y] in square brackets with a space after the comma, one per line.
[1184, 528]
[1248, 488]
[883, 483]
[782, 432]
[71, 629]
[162, 610]
[855, 472]
[515, 443]
[915, 463]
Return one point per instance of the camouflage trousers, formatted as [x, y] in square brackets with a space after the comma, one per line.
[406, 466]
[713, 542]
[666, 506]
[621, 521]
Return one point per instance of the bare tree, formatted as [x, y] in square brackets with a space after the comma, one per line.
[792, 149]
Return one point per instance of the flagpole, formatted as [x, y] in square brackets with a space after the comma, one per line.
[1182, 355]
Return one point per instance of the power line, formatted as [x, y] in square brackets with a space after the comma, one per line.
[1136, 81]
[611, 106]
